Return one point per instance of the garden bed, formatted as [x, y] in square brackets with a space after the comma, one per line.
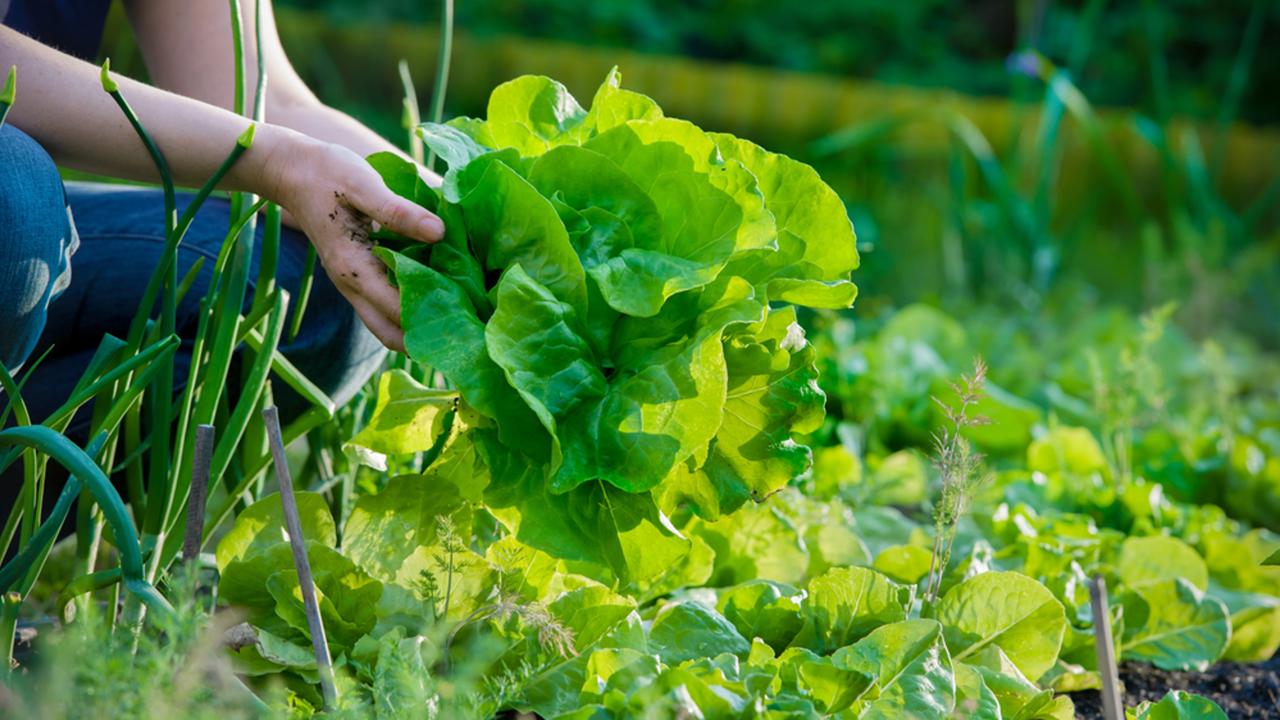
[1243, 691]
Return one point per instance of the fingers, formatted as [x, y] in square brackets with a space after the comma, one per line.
[387, 332]
[369, 277]
[362, 279]
[400, 215]
[430, 178]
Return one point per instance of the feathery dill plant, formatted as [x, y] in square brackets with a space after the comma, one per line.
[960, 468]
[450, 560]
[508, 603]
[1133, 394]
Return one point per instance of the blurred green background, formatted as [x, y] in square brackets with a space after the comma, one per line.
[1016, 153]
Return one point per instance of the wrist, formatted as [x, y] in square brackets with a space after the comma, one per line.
[269, 167]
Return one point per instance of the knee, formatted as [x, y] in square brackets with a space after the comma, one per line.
[36, 239]
[30, 187]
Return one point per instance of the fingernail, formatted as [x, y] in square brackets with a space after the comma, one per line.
[433, 227]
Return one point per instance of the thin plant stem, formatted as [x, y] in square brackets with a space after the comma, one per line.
[412, 115]
[297, 542]
[442, 69]
[8, 93]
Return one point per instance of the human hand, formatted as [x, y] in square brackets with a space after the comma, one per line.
[336, 198]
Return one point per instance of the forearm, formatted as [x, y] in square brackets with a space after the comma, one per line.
[325, 123]
[314, 119]
[62, 105]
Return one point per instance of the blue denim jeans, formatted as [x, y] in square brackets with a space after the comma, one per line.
[60, 298]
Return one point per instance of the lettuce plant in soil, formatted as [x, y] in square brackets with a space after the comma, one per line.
[614, 302]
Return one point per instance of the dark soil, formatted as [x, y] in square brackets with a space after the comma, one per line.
[1243, 691]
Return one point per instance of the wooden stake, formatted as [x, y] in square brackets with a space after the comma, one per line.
[202, 459]
[293, 525]
[1112, 707]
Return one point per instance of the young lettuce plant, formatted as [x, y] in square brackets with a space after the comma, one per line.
[614, 303]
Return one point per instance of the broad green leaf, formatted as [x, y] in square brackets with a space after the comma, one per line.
[582, 179]
[594, 523]
[907, 564]
[591, 612]
[647, 422]
[531, 114]
[900, 478]
[404, 179]
[1173, 625]
[568, 685]
[1145, 560]
[884, 527]
[617, 669]
[772, 395]
[832, 687]
[270, 654]
[929, 326]
[1273, 558]
[1017, 696]
[1255, 632]
[260, 527]
[1179, 705]
[710, 208]
[688, 630]
[911, 669]
[1066, 449]
[1007, 610]
[613, 106]
[815, 237]
[835, 544]
[974, 700]
[692, 570]
[834, 468]
[242, 584]
[537, 340]
[1065, 677]
[473, 128]
[460, 463]
[347, 596]
[394, 534]
[509, 223]
[1255, 616]
[460, 182]
[401, 677]
[452, 258]
[408, 417]
[844, 604]
[763, 609]
[728, 304]
[1236, 562]
[678, 691]
[834, 294]
[638, 282]
[755, 542]
[450, 144]
[443, 332]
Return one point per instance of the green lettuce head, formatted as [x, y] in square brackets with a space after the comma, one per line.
[614, 303]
